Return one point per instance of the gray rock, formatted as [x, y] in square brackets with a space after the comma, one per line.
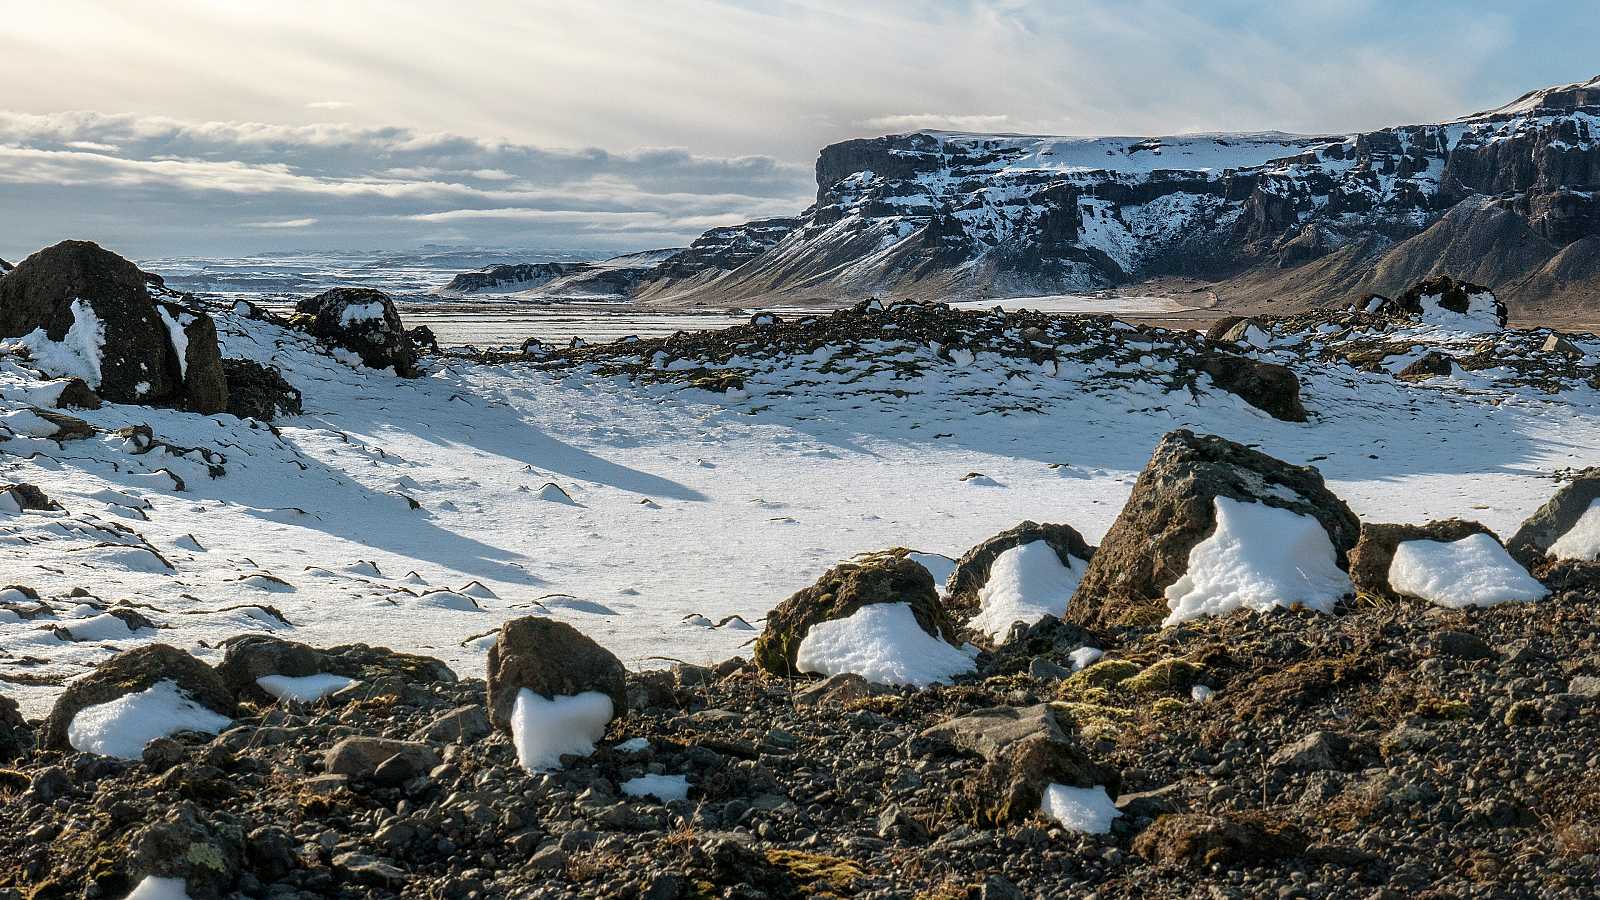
[1549, 522]
[360, 757]
[1586, 686]
[1317, 751]
[206, 850]
[458, 726]
[836, 690]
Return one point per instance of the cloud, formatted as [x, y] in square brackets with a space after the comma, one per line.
[232, 184]
[938, 122]
[284, 223]
[329, 104]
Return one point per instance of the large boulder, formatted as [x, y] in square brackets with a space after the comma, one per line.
[129, 673]
[259, 392]
[841, 592]
[1374, 551]
[1269, 387]
[68, 299]
[206, 849]
[972, 569]
[552, 659]
[1024, 750]
[363, 321]
[1172, 508]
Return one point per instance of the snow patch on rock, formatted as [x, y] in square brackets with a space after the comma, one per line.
[1086, 810]
[122, 727]
[543, 730]
[303, 688]
[79, 352]
[1582, 540]
[665, 788]
[1474, 571]
[882, 643]
[1026, 583]
[1258, 557]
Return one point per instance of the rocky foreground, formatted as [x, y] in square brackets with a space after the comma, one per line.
[1433, 744]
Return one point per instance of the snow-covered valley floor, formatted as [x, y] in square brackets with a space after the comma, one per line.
[417, 513]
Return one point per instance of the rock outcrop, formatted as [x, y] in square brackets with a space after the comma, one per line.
[258, 391]
[1172, 509]
[362, 321]
[86, 312]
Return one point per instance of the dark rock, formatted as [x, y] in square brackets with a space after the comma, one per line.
[1429, 365]
[140, 363]
[972, 570]
[28, 497]
[837, 690]
[1229, 840]
[887, 577]
[206, 850]
[423, 338]
[552, 659]
[248, 657]
[1221, 328]
[1461, 645]
[1446, 293]
[1269, 387]
[76, 394]
[15, 735]
[1374, 552]
[363, 321]
[259, 392]
[1024, 751]
[1172, 509]
[131, 672]
[1317, 751]
[1532, 542]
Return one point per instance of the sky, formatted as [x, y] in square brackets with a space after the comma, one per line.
[205, 127]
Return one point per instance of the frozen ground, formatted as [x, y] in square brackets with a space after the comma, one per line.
[677, 508]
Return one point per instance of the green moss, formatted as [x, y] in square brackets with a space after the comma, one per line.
[1167, 705]
[1170, 674]
[1436, 708]
[1105, 673]
[807, 869]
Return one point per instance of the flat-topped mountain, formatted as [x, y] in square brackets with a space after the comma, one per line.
[1504, 197]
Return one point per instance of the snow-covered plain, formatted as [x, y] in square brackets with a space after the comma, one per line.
[687, 506]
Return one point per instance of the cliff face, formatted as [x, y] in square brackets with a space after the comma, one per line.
[935, 213]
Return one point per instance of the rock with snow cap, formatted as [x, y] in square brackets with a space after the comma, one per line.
[973, 568]
[1374, 551]
[250, 657]
[25, 497]
[1444, 298]
[363, 321]
[1550, 531]
[878, 578]
[132, 672]
[203, 849]
[87, 312]
[551, 659]
[1173, 508]
[1269, 387]
[1428, 365]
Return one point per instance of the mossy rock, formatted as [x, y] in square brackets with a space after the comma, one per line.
[884, 577]
[807, 869]
[1436, 708]
[1105, 673]
[1167, 705]
[1170, 674]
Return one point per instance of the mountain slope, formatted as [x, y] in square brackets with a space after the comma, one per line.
[1494, 197]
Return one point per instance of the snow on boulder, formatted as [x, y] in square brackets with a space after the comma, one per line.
[85, 312]
[1474, 571]
[248, 658]
[1454, 305]
[363, 321]
[887, 577]
[1374, 552]
[972, 571]
[544, 729]
[1026, 583]
[25, 497]
[133, 672]
[1173, 508]
[1566, 527]
[1258, 557]
[883, 643]
[1025, 752]
[303, 688]
[153, 888]
[551, 660]
[122, 726]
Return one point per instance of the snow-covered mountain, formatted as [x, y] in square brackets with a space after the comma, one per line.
[1506, 197]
